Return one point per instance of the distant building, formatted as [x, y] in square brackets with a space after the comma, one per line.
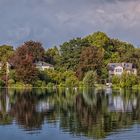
[43, 65]
[119, 68]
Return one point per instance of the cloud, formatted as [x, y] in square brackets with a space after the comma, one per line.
[55, 21]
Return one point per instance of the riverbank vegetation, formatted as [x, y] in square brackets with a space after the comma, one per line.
[77, 62]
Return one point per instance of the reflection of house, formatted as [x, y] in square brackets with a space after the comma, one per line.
[43, 65]
[117, 104]
[108, 91]
[119, 68]
[5, 104]
[44, 106]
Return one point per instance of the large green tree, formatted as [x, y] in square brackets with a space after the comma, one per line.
[52, 56]
[98, 39]
[6, 52]
[71, 51]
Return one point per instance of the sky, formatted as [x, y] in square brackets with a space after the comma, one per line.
[53, 22]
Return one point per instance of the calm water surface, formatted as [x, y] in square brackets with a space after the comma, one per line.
[82, 114]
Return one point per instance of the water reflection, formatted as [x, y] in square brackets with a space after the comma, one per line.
[83, 112]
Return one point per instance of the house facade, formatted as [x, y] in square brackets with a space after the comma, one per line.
[119, 68]
[43, 65]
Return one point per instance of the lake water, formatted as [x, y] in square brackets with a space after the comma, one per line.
[69, 114]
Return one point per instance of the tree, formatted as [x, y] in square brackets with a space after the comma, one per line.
[90, 78]
[116, 80]
[70, 53]
[128, 80]
[52, 56]
[115, 51]
[125, 80]
[53, 76]
[70, 78]
[134, 57]
[2, 83]
[98, 39]
[91, 59]
[72, 81]
[24, 59]
[26, 71]
[6, 52]
[33, 49]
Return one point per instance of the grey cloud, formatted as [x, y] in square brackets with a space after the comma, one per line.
[55, 21]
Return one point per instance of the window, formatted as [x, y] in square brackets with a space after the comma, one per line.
[113, 65]
[118, 70]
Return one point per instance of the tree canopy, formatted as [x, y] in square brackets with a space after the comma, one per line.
[72, 59]
[6, 52]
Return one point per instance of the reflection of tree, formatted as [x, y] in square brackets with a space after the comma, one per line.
[94, 119]
[91, 117]
[79, 113]
[5, 117]
[97, 118]
[21, 105]
[25, 113]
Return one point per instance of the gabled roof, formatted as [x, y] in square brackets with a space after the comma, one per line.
[127, 66]
[41, 63]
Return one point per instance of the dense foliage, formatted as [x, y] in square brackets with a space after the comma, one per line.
[125, 80]
[90, 78]
[91, 59]
[72, 61]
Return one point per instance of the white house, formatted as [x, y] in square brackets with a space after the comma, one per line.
[43, 65]
[119, 68]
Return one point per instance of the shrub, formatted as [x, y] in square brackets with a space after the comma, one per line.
[20, 84]
[125, 80]
[81, 84]
[11, 82]
[39, 83]
[116, 80]
[12, 75]
[72, 81]
[62, 85]
[128, 80]
[50, 85]
[2, 84]
[90, 78]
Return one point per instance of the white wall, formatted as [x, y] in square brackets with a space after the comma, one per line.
[118, 70]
